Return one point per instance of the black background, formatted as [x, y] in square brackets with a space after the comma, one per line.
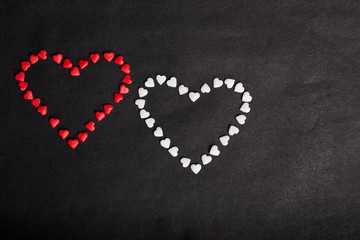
[293, 171]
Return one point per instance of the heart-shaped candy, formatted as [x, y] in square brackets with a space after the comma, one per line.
[54, 122]
[33, 59]
[73, 143]
[183, 90]
[94, 57]
[57, 58]
[119, 60]
[75, 71]
[82, 136]
[165, 142]
[109, 56]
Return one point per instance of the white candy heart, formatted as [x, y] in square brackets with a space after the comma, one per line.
[224, 140]
[165, 143]
[246, 97]
[229, 82]
[217, 83]
[241, 119]
[140, 103]
[150, 122]
[158, 132]
[206, 159]
[144, 114]
[205, 88]
[172, 82]
[233, 130]
[149, 83]
[142, 92]
[239, 88]
[173, 151]
[183, 90]
[195, 168]
[194, 96]
[245, 108]
[185, 162]
[160, 79]
[214, 150]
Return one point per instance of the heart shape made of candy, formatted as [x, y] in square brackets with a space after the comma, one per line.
[165, 141]
[74, 71]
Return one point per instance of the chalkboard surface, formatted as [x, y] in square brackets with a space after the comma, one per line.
[292, 172]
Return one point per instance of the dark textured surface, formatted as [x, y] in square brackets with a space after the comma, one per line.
[293, 172]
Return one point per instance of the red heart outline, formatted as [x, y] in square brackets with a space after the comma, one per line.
[83, 63]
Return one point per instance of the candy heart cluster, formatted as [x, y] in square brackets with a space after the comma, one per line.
[158, 132]
[75, 72]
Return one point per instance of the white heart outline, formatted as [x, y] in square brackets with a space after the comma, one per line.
[233, 88]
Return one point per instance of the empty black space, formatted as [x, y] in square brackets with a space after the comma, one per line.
[293, 171]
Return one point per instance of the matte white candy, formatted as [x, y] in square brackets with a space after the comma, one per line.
[224, 140]
[214, 150]
[206, 159]
[144, 114]
[194, 96]
[246, 97]
[195, 168]
[217, 83]
[172, 82]
[183, 90]
[149, 83]
[173, 151]
[150, 122]
[233, 130]
[165, 143]
[142, 92]
[245, 108]
[185, 162]
[158, 132]
[229, 82]
[205, 88]
[241, 119]
[239, 88]
[161, 79]
[140, 103]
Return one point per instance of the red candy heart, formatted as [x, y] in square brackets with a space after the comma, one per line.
[90, 126]
[35, 102]
[109, 56]
[94, 57]
[63, 133]
[42, 110]
[20, 76]
[82, 136]
[23, 85]
[28, 95]
[42, 54]
[25, 65]
[126, 68]
[54, 122]
[99, 115]
[33, 59]
[67, 63]
[127, 79]
[73, 143]
[123, 89]
[57, 58]
[119, 60]
[83, 64]
[108, 108]
[118, 97]
[75, 72]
